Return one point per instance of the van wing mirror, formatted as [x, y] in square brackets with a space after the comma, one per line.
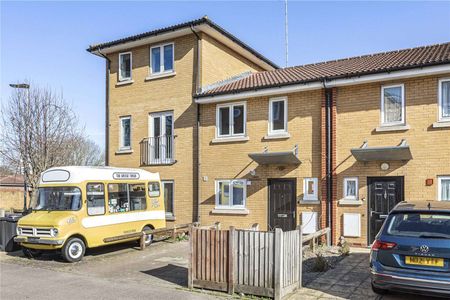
[153, 189]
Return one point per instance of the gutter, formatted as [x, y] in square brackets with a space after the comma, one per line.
[196, 87]
[108, 72]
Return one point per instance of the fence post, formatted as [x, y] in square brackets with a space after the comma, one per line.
[231, 258]
[300, 267]
[191, 257]
[142, 241]
[328, 237]
[278, 262]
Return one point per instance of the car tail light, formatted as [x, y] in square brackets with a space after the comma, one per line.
[379, 245]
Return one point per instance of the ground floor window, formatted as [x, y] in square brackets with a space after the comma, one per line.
[310, 186]
[231, 193]
[444, 188]
[168, 186]
[351, 188]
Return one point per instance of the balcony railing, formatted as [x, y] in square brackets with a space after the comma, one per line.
[158, 150]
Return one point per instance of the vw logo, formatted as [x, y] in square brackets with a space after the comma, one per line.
[424, 249]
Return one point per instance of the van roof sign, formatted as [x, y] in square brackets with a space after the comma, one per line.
[125, 175]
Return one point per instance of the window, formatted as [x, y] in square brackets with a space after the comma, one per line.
[95, 193]
[392, 105]
[351, 188]
[310, 189]
[444, 188]
[125, 133]
[278, 116]
[125, 66]
[231, 120]
[168, 197]
[231, 193]
[161, 59]
[417, 224]
[161, 142]
[58, 198]
[123, 197]
[444, 100]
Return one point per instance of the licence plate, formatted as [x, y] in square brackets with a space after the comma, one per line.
[33, 239]
[424, 261]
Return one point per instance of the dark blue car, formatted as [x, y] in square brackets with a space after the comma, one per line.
[411, 252]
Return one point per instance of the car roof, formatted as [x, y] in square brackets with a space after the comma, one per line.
[422, 206]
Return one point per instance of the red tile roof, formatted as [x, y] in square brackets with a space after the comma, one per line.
[11, 180]
[342, 68]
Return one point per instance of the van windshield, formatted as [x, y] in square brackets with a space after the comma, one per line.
[423, 225]
[58, 198]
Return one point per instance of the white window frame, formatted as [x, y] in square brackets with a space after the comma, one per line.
[230, 182]
[162, 115]
[440, 178]
[402, 122]
[121, 136]
[285, 129]
[441, 117]
[161, 59]
[311, 197]
[346, 180]
[231, 120]
[163, 182]
[131, 66]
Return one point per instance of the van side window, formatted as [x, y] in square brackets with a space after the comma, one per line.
[118, 197]
[95, 199]
[137, 197]
[153, 189]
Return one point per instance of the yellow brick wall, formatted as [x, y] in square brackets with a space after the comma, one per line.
[230, 160]
[220, 62]
[174, 93]
[11, 198]
[358, 114]
[143, 97]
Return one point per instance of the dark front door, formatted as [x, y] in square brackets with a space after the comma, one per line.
[384, 194]
[282, 203]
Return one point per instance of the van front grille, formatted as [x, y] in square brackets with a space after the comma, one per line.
[37, 232]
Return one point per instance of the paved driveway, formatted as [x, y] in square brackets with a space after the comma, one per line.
[349, 280]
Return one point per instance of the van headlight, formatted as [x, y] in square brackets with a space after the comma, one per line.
[54, 232]
[19, 231]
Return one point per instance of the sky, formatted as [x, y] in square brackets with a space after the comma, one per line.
[45, 42]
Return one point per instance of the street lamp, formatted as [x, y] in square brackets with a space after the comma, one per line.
[27, 87]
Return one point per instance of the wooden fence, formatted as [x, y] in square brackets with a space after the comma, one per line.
[266, 264]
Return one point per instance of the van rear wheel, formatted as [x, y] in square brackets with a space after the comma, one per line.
[73, 250]
[148, 238]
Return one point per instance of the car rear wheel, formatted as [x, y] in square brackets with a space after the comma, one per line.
[31, 253]
[379, 291]
[148, 239]
[73, 250]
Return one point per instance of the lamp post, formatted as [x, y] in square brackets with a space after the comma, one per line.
[27, 87]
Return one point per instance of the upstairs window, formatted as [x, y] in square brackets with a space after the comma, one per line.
[230, 120]
[161, 59]
[392, 105]
[278, 116]
[231, 193]
[444, 99]
[310, 186]
[125, 133]
[125, 66]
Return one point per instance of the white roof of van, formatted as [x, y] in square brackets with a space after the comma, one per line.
[77, 174]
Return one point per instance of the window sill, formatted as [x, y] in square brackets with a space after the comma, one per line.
[124, 151]
[349, 202]
[161, 75]
[277, 136]
[384, 128]
[231, 211]
[230, 139]
[125, 82]
[441, 124]
[310, 202]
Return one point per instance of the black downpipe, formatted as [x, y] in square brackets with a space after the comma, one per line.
[329, 175]
[108, 71]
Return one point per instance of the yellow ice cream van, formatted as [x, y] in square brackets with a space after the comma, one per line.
[86, 207]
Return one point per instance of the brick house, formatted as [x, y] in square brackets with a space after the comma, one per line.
[240, 141]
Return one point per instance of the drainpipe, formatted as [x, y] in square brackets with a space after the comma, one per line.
[196, 87]
[328, 153]
[108, 72]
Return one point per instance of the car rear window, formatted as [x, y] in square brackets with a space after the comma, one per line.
[426, 225]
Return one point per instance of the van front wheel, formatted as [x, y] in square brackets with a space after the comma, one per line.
[73, 250]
